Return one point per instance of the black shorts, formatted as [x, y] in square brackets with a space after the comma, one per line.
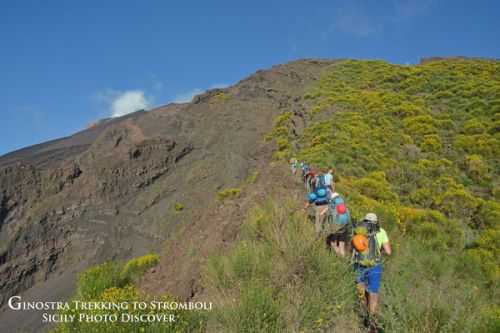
[341, 235]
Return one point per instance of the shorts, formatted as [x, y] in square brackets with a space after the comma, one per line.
[371, 277]
[338, 233]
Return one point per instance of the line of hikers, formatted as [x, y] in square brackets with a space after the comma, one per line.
[333, 219]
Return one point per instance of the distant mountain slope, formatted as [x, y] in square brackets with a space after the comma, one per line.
[54, 151]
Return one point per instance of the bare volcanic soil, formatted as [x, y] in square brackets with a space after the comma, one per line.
[109, 192]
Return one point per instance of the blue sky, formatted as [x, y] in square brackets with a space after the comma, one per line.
[64, 64]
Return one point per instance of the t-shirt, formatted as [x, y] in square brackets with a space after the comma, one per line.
[328, 179]
[381, 238]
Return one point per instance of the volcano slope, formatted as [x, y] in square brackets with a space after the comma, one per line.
[110, 192]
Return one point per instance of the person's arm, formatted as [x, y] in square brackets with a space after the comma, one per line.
[387, 248]
[383, 239]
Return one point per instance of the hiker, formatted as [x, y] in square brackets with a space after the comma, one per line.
[339, 219]
[368, 241]
[305, 170]
[293, 165]
[329, 180]
[310, 180]
[319, 198]
[321, 179]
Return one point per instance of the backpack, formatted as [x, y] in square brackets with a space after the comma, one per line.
[339, 204]
[339, 215]
[372, 256]
[320, 181]
[321, 195]
[341, 208]
[344, 218]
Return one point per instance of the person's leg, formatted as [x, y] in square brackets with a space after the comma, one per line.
[373, 302]
[317, 221]
[361, 287]
[323, 212]
[336, 245]
[374, 281]
[341, 247]
[342, 239]
[361, 284]
[330, 241]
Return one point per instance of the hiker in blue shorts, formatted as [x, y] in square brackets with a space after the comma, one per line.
[368, 241]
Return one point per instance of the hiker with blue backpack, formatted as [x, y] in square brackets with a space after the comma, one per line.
[319, 197]
[338, 221]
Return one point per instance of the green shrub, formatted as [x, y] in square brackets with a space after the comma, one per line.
[115, 283]
[229, 193]
[375, 187]
[476, 167]
[489, 214]
[95, 280]
[178, 207]
[432, 143]
[458, 203]
[220, 97]
[184, 320]
[136, 267]
[252, 177]
[258, 311]
[439, 301]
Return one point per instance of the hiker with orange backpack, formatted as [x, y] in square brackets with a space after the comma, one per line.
[368, 242]
[339, 221]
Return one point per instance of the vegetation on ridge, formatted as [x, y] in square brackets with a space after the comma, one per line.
[420, 146]
[115, 283]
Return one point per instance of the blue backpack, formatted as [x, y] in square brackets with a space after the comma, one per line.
[339, 211]
[321, 195]
[344, 218]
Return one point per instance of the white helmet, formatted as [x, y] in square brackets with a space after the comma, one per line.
[371, 217]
